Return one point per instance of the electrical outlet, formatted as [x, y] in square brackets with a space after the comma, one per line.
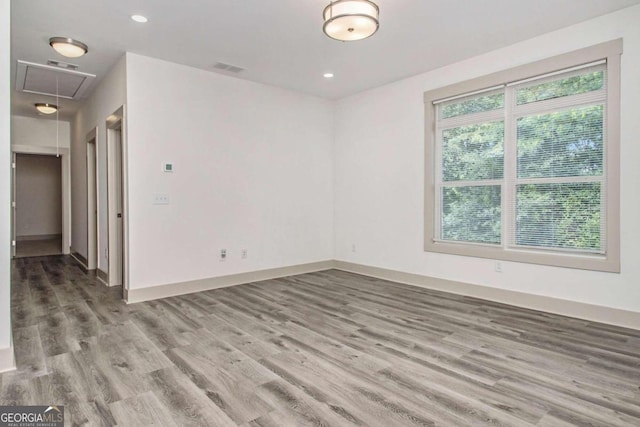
[498, 267]
[223, 254]
[244, 254]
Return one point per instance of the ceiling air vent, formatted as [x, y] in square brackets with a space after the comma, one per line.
[43, 80]
[60, 64]
[227, 67]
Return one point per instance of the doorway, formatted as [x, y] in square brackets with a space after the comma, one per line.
[116, 190]
[63, 154]
[38, 205]
[92, 200]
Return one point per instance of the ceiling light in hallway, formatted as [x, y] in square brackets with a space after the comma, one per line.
[68, 47]
[46, 108]
[139, 18]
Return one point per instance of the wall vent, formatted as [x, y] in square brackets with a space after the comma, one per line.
[227, 67]
[43, 79]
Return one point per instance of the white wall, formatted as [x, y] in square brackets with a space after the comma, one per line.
[38, 195]
[253, 170]
[379, 171]
[37, 132]
[104, 101]
[6, 356]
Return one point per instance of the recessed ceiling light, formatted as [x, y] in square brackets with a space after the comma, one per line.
[68, 47]
[327, 75]
[46, 108]
[139, 18]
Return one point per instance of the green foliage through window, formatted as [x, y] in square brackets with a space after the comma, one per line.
[473, 152]
[559, 215]
[562, 143]
[473, 105]
[562, 87]
[555, 189]
[471, 214]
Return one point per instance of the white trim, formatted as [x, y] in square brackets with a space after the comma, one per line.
[7, 360]
[182, 288]
[590, 312]
[117, 121]
[79, 258]
[102, 277]
[93, 248]
[32, 237]
[125, 196]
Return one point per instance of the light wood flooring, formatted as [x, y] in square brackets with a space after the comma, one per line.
[321, 349]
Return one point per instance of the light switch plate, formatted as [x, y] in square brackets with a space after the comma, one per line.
[167, 167]
[160, 199]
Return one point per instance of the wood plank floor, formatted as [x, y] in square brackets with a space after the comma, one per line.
[43, 247]
[322, 349]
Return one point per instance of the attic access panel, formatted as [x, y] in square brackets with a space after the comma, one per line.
[41, 79]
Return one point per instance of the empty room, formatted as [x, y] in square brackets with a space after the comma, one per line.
[328, 213]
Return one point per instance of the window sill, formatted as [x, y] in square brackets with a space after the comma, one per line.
[593, 262]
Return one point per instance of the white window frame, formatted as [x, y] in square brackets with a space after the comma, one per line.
[609, 260]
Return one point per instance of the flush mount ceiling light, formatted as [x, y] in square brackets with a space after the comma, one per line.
[349, 20]
[139, 18]
[68, 47]
[328, 75]
[46, 108]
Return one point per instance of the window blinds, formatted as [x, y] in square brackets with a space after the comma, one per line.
[522, 165]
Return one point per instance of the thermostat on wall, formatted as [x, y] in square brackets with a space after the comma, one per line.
[167, 167]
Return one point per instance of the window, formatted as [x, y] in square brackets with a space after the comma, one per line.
[525, 163]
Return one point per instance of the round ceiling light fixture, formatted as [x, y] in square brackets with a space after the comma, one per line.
[46, 108]
[139, 18]
[68, 47]
[349, 20]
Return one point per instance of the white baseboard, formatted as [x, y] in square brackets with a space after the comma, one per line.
[7, 361]
[102, 277]
[181, 288]
[81, 259]
[34, 237]
[591, 312]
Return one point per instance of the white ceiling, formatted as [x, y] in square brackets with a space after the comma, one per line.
[280, 42]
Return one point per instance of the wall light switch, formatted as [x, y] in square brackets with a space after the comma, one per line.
[167, 167]
[160, 199]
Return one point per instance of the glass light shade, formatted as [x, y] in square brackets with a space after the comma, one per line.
[349, 20]
[68, 47]
[46, 108]
[139, 18]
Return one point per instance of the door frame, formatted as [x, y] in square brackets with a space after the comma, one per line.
[14, 243]
[66, 188]
[116, 121]
[93, 202]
